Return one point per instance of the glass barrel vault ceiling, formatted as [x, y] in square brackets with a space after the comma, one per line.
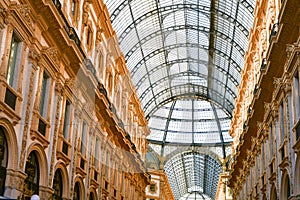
[185, 58]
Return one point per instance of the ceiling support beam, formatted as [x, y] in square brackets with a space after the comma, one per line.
[141, 47]
[219, 129]
[166, 128]
[184, 171]
[211, 45]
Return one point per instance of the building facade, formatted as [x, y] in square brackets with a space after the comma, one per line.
[71, 125]
[265, 126]
[159, 187]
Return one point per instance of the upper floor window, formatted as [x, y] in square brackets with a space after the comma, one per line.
[271, 139]
[73, 7]
[97, 152]
[107, 165]
[67, 120]
[14, 55]
[296, 95]
[89, 37]
[83, 138]
[281, 110]
[44, 98]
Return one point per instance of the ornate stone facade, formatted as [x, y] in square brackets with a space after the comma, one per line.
[71, 125]
[265, 124]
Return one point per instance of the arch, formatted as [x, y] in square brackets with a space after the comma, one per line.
[285, 186]
[79, 192]
[273, 193]
[181, 150]
[42, 159]
[12, 143]
[65, 178]
[297, 175]
[92, 194]
[3, 159]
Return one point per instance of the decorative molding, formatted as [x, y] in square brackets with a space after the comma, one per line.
[53, 55]
[3, 17]
[277, 81]
[27, 118]
[56, 130]
[25, 12]
[34, 55]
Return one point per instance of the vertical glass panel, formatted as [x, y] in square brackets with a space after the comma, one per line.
[67, 121]
[44, 98]
[12, 60]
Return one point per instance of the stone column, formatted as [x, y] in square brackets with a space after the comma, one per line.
[14, 183]
[45, 192]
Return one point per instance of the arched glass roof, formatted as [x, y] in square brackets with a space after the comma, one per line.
[195, 196]
[185, 58]
[191, 173]
[189, 122]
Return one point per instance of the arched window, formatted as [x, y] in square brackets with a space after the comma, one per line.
[58, 185]
[3, 159]
[287, 189]
[76, 195]
[33, 175]
[92, 196]
[273, 195]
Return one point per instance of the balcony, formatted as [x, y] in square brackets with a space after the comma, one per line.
[69, 30]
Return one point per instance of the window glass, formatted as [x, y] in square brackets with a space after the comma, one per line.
[12, 69]
[44, 98]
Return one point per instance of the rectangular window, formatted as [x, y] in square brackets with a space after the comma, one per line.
[44, 98]
[12, 68]
[296, 94]
[83, 138]
[271, 140]
[262, 156]
[67, 117]
[89, 38]
[73, 7]
[281, 110]
[97, 152]
[115, 176]
[107, 165]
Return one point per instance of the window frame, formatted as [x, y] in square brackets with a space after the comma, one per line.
[13, 63]
[44, 93]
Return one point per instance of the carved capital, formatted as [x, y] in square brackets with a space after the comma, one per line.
[267, 105]
[25, 12]
[287, 85]
[53, 54]
[277, 81]
[274, 108]
[59, 88]
[3, 17]
[34, 55]
[259, 125]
